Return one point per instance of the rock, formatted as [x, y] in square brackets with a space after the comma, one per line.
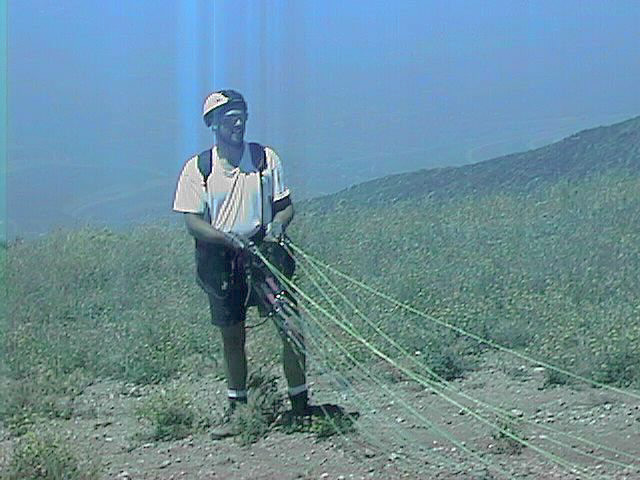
[165, 464]
[124, 475]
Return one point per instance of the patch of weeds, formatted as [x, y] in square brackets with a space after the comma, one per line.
[447, 363]
[554, 378]
[328, 425]
[620, 367]
[511, 334]
[504, 441]
[25, 402]
[255, 419]
[172, 414]
[46, 456]
[324, 421]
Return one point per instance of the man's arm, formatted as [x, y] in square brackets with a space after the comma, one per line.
[284, 216]
[200, 229]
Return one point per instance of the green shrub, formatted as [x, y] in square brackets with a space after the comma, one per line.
[172, 414]
[620, 366]
[256, 418]
[27, 402]
[45, 456]
[328, 425]
[554, 378]
[504, 441]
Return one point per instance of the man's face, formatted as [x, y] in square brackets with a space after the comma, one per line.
[231, 126]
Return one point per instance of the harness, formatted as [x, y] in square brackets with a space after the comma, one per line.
[212, 261]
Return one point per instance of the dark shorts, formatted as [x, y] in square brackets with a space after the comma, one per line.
[231, 307]
[222, 276]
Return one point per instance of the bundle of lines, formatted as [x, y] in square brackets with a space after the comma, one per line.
[408, 410]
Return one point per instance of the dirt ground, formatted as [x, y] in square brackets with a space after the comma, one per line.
[404, 431]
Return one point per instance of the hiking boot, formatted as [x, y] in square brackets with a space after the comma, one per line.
[229, 426]
[300, 404]
[300, 413]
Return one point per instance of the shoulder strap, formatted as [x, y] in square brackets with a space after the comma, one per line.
[258, 156]
[205, 165]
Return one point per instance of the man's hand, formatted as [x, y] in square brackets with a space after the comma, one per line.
[236, 241]
[274, 232]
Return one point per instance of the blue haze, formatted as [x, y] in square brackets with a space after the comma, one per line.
[104, 98]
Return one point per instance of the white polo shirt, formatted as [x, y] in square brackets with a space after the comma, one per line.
[236, 200]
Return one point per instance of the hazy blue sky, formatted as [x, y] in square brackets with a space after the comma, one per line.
[104, 98]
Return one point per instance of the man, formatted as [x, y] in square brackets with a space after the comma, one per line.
[241, 200]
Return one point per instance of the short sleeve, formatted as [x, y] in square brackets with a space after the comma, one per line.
[280, 188]
[190, 193]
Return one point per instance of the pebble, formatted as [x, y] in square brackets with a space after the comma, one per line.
[124, 475]
[165, 464]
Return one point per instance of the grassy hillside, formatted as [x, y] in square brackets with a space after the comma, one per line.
[554, 272]
[590, 151]
[551, 271]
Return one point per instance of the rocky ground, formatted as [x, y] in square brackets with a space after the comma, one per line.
[398, 432]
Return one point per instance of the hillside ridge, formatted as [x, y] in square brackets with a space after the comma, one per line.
[581, 154]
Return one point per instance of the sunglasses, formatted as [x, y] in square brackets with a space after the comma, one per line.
[232, 119]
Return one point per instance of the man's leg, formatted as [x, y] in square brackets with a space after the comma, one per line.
[227, 313]
[235, 362]
[235, 366]
[294, 364]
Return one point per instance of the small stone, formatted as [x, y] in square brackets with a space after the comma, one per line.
[324, 475]
[165, 464]
[124, 475]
